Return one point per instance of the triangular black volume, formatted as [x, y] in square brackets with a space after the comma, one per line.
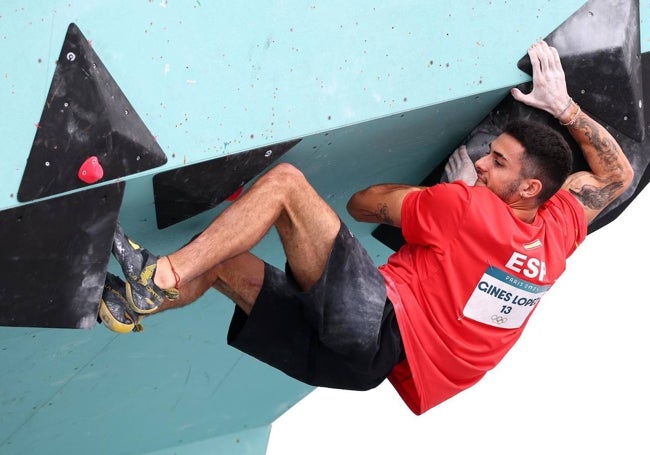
[185, 192]
[85, 115]
[55, 254]
[599, 46]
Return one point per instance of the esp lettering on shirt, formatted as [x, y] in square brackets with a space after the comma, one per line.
[530, 267]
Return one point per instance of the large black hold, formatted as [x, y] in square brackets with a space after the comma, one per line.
[185, 192]
[54, 258]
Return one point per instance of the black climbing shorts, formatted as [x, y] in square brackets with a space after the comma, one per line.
[341, 333]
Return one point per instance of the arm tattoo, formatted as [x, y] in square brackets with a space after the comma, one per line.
[381, 214]
[594, 197]
[606, 148]
[606, 158]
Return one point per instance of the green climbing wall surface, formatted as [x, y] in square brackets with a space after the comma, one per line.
[377, 91]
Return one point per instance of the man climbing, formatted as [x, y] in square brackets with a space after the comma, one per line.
[480, 253]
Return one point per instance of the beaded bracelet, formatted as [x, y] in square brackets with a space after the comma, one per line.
[573, 119]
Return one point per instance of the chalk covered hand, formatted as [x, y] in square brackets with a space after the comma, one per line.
[460, 167]
[549, 84]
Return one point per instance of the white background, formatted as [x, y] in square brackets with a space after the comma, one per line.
[576, 382]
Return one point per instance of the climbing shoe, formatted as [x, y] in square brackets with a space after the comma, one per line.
[139, 267]
[114, 310]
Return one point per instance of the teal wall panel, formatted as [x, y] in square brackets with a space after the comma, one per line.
[248, 442]
[380, 91]
[211, 78]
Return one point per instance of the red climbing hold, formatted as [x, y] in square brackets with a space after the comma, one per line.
[90, 171]
[236, 194]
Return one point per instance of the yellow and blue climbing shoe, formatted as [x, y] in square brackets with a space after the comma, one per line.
[139, 267]
[114, 310]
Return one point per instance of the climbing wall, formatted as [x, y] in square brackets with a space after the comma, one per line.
[158, 113]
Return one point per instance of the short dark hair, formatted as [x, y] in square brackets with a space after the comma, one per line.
[547, 157]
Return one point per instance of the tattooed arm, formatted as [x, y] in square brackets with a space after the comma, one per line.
[610, 172]
[380, 203]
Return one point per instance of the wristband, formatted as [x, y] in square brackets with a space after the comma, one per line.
[565, 109]
[573, 119]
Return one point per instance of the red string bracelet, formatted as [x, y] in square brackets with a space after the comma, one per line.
[177, 277]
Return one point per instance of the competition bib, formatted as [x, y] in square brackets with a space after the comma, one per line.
[502, 299]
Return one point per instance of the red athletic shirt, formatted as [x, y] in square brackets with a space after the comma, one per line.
[466, 281]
